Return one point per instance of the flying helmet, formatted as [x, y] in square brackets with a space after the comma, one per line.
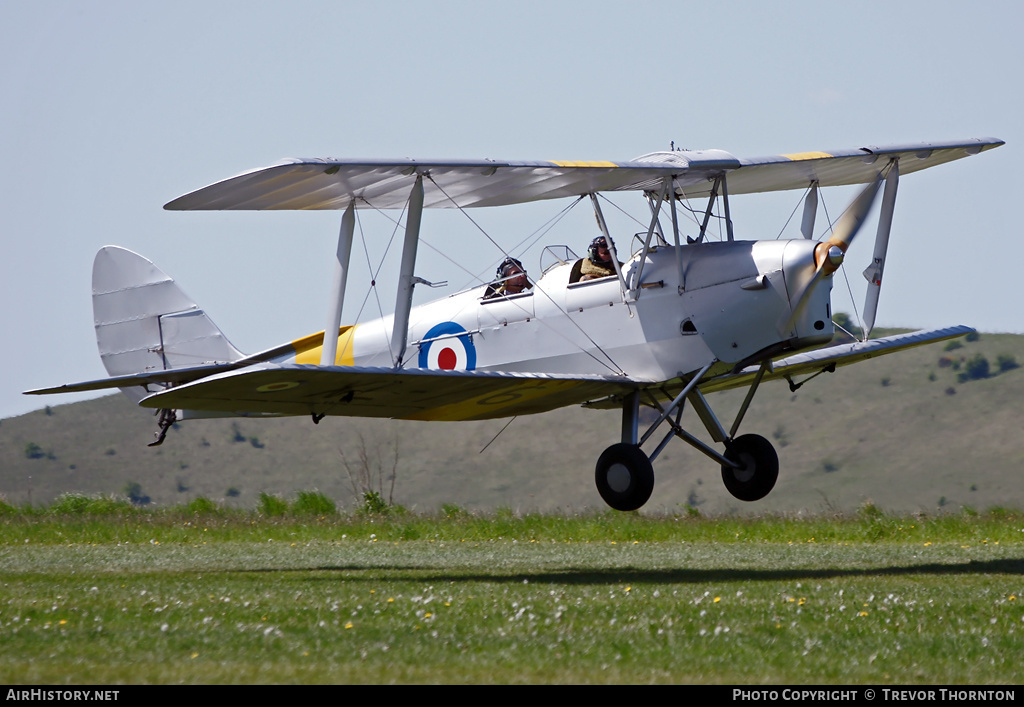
[505, 269]
[592, 250]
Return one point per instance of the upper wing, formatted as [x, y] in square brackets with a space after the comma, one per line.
[842, 355]
[382, 184]
[414, 394]
[386, 184]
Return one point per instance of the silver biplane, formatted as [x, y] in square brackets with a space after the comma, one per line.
[680, 317]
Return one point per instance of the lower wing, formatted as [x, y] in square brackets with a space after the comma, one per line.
[841, 355]
[414, 394]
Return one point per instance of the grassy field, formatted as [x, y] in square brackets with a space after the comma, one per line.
[127, 596]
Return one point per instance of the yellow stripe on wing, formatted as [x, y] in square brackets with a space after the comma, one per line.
[571, 163]
[309, 349]
[798, 156]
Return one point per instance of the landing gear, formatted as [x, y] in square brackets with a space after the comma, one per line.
[625, 477]
[759, 467]
[166, 421]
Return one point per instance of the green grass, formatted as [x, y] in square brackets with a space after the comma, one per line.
[128, 596]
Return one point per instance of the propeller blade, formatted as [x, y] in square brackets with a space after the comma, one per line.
[854, 216]
[827, 260]
[829, 264]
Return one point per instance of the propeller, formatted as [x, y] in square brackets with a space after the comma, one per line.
[828, 255]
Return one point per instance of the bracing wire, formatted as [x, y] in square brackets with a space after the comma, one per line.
[369, 265]
[614, 367]
[792, 213]
[849, 287]
[497, 435]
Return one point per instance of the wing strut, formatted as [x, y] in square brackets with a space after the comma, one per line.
[348, 223]
[675, 237]
[810, 211]
[725, 205]
[873, 273]
[718, 183]
[611, 246]
[708, 211]
[634, 291]
[406, 281]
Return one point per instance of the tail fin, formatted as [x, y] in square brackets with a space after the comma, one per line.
[144, 322]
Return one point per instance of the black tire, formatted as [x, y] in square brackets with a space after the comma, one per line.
[760, 471]
[624, 476]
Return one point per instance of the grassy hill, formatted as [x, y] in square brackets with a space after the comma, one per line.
[901, 431]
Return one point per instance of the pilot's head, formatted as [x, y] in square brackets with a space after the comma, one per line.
[512, 272]
[598, 252]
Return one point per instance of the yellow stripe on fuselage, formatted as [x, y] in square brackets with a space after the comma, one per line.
[797, 156]
[570, 163]
[309, 349]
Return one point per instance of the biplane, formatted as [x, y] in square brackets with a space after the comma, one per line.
[680, 316]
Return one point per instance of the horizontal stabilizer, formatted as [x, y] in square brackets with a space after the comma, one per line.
[177, 376]
[173, 376]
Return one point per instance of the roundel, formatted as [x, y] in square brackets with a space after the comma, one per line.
[454, 352]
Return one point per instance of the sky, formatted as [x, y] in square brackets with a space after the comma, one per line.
[111, 109]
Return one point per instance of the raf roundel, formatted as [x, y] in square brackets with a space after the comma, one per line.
[447, 347]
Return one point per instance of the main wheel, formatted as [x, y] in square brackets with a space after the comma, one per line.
[760, 467]
[625, 477]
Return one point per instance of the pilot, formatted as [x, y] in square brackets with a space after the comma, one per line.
[511, 280]
[598, 262]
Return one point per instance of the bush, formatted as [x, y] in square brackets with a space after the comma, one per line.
[1006, 362]
[975, 368]
[202, 506]
[374, 503]
[829, 465]
[34, 451]
[81, 504]
[869, 511]
[313, 503]
[272, 506]
[133, 490]
[952, 346]
[450, 510]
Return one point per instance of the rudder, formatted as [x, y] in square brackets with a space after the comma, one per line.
[145, 322]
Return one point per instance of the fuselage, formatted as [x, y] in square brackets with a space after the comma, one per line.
[715, 302]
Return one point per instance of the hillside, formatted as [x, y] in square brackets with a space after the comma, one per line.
[900, 431]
